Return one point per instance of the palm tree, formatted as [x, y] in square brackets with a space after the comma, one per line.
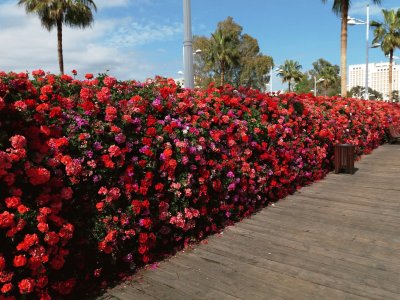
[55, 13]
[222, 53]
[388, 35]
[330, 76]
[341, 7]
[290, 71]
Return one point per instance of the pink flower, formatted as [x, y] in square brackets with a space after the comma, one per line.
[114, 151]
[18, 141]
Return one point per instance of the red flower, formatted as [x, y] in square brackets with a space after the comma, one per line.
[6, 219]
[64, 287]
[57, 262]
[74, 72]
[19, 261]
[51, 238]
[2, 263]
[6, 288]
[29, 241]
[38, 73]
[136, 206]
[12, 202]
[108, 163]
[38, 176]
[43, 227]
[26, 286]
[89, 76]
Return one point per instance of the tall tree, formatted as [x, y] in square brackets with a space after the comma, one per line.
[330, 77]
[221, 52]
[341, 8]
[330, 73]
[290, 72]
[56, 13]
[245, 65]
[388, 35]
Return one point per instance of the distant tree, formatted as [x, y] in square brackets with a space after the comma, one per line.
[55, 13]
[330, 73]
[341, 8]
[359, 91]
[305, 85]
[244, 63]
[290, 72]
[221, 53]
[387, 34]
[395, 96]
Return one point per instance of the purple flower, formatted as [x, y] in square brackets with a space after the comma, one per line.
[97, 146]
[120, 138]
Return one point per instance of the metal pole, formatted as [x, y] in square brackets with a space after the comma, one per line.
[270, 80]
[366, 96]
[187, 46]
[315, 86]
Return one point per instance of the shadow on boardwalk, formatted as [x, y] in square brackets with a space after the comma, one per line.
[336, 239]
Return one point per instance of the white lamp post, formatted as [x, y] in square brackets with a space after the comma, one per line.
[315, 84]
[187, 46]
[271, 72]
[353, 21]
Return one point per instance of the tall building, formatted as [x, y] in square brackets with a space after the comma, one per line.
[378, 78]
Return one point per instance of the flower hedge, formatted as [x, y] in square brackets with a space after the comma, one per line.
[100, 176]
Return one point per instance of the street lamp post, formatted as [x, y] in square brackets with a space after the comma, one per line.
[188, 46]
[353, 21]
[271, 72]
[315, 84]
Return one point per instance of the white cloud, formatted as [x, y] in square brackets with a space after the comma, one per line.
[111, 3]
[375, 11]
[110, 44]
[360, 9]
[138, 33]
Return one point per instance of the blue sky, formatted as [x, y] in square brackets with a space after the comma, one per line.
[137, 39]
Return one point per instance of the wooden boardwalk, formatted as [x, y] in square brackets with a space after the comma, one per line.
[336, 239]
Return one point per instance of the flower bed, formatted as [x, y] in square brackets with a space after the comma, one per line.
[100, 176]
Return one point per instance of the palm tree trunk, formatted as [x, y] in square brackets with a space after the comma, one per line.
[60, 50]
[343, 48]
[289, 86]
[222, 72]
[390, 75]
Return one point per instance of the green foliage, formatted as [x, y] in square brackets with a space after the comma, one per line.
[56, 13]
[388, 35]
[305, 85]
[290, 72]
[229, 56]
[395, 96]
[358, 92]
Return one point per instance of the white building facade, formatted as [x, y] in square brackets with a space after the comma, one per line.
[378, 77]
